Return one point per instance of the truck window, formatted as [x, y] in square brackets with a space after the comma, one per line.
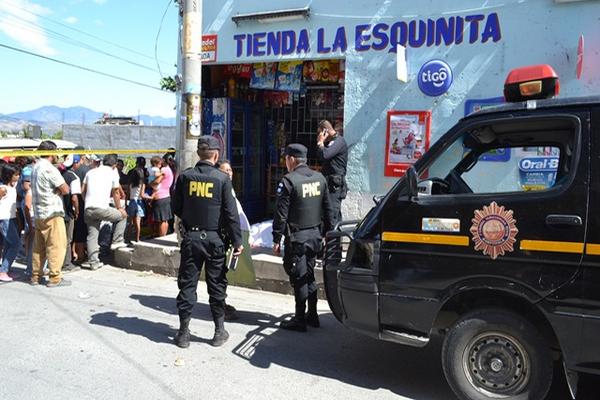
[515, 169]
[506, 158]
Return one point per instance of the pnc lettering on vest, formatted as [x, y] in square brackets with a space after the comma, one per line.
[201, 189]
[311, 189]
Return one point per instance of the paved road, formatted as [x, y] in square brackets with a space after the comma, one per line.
[109, 336]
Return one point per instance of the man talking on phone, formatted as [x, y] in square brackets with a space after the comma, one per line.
[333, 152]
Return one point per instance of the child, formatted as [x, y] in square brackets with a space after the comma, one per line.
[154, 176]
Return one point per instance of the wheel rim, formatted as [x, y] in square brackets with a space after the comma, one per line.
[496, 364]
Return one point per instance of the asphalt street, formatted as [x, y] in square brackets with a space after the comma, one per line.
[109, 336]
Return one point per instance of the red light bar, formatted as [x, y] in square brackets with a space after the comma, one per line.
[519, 83]
[531, 73]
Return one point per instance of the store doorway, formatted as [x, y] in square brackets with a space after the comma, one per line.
[257, 109]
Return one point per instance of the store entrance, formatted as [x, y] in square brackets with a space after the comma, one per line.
[255, 122]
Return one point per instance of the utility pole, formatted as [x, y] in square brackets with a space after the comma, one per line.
[189, 92]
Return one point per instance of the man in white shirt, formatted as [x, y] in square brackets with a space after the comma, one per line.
[98, 186]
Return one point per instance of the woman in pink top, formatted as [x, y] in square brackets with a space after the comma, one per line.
[161, 208]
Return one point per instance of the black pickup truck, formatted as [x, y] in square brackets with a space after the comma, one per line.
[501, 258]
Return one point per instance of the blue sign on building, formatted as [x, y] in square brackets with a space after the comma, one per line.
[538, 173]
[435, 78]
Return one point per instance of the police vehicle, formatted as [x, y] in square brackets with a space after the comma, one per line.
[493, 240]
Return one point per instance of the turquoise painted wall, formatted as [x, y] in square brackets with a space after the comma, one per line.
[496, 36]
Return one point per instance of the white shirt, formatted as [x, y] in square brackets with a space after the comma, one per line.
[8, 204]
[99, 184]
[135, 192]
[244, 223]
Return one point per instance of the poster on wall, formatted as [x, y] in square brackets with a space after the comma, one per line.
[407, 139]
[538, 173]
[263, 76]
[289, 76]
[209, 48]
[238, 71]
[473, 105]
[327, 71]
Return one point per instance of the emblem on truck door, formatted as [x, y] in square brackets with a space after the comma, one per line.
[494, 230]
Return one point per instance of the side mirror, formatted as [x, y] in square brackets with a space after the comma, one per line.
[412, 182]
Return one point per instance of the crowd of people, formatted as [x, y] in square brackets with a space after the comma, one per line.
[53, 212]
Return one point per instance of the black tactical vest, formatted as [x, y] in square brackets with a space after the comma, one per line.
[202, 197]
[306, 199]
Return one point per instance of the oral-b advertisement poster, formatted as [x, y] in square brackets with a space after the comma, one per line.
[263, 76]
[539, 172]
[289, 76]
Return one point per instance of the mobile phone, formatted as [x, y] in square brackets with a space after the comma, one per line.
[233, 263]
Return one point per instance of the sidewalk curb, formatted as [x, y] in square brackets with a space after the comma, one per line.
[163, 257]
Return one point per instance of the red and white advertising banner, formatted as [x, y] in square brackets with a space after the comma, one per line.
[209, 48]
[407, 139]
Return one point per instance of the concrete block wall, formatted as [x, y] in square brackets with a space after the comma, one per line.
[103, 137]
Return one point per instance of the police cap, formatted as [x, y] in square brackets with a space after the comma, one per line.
[296, 150]
[209, 142]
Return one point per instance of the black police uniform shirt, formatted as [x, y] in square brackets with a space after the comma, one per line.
[302, 202]
[334, 155]
[203, 199]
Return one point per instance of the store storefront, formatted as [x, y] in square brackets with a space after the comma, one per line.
[259, 108]
[273, 71]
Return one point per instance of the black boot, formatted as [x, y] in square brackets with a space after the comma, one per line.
[297, 322]
[221, 335]
[182, 338]
[312, 318]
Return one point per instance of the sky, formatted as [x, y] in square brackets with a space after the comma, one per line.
[115, 37]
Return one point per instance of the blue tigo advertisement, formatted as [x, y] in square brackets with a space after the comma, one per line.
[435, 78]
[538, 173]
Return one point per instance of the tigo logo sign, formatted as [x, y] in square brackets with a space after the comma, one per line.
[435, 78]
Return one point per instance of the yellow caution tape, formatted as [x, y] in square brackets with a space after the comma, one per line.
[37, 153]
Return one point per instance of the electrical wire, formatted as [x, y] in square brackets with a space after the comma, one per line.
[81, 67]
[162, 20]
[81, 31]
[74, 42]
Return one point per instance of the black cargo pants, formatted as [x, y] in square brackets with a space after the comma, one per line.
[337, 193]
[198, 249]
[299, 260]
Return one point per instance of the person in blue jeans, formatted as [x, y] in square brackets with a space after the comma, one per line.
[8, 219]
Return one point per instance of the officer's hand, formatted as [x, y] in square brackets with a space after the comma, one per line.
[123, 212]
[277, 249]
[321, 137]
[238, 250]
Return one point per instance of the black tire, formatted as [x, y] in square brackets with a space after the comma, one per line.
[496, 354]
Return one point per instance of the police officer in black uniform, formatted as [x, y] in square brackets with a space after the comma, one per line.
[203, 200]
[303, 209]
[333, 152]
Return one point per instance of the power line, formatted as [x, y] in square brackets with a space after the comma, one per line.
[81, 31]
[162, 20]
[69, 40]
[81, 67]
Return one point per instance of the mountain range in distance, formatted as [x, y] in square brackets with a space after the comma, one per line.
[51, 118]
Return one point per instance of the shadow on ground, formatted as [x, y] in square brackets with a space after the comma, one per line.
[334, 352]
